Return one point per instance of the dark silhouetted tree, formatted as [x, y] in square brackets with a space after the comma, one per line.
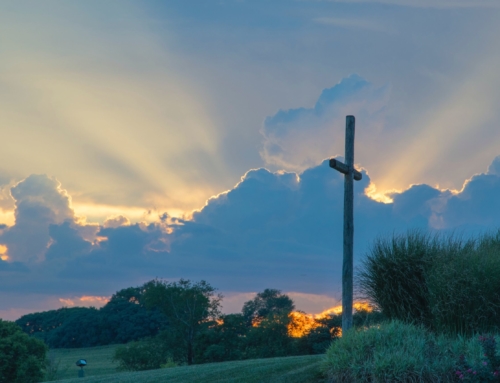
[187, 306]
[270, 301]
[22, 358]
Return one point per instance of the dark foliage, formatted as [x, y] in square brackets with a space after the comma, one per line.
[123, 319]
[187, 307]
[147, 354]
[22, 358]
[222, 341]
[268, 302]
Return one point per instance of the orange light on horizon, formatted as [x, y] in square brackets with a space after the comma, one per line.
[301, 323]
[337, 310]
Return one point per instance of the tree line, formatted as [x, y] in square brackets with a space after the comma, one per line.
[123, 319]
[168, 323]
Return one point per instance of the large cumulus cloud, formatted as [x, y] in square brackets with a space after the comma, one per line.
[273, 229]
[296, 139]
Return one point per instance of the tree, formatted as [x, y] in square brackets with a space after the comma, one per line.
[222, 341]
[22, 359]
[186, 306]
[123, 319]
[270, 301]
[270, 338]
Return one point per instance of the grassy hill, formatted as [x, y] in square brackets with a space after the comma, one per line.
[296, 369]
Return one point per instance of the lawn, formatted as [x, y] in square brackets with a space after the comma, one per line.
[99, 361]
[295, 369]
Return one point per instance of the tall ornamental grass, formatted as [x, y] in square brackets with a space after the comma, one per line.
[393, 276]
[445, 283]
[464, 287]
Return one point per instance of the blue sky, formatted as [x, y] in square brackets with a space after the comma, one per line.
[187, 139]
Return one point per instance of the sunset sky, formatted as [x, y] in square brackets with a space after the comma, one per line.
[171, 139]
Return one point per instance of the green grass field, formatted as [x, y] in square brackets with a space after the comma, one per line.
[99, 361]
[100, 368]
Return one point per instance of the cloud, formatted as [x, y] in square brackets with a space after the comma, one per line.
[86, 301]
[272, 229]
[39, 202]
[296, 139]
[116, 221]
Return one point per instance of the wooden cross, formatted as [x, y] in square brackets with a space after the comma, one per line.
[349, 174]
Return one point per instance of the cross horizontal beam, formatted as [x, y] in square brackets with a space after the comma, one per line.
[344, 169]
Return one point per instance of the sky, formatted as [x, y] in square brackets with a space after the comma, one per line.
[180, 139]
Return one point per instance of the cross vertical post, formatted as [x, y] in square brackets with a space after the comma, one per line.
[350, 174]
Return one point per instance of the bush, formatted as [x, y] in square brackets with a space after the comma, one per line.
[22, 358]
[487, 369]
[391, 352]
[148, 354]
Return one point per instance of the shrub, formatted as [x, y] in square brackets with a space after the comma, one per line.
[391, 352]
[22, 358]
[485, 369]
[148, 354]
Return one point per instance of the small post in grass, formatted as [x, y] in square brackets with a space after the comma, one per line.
[350, 174]
[81, 363]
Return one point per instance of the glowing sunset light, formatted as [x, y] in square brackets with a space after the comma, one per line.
[372, 192]
[336, 310]
[300, 324]
[3, 253]
[85, 301]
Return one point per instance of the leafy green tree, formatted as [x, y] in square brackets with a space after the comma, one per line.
[270, 301]
[123, 319]
[42, 325]
[270, 337]
[222, 341]
[186, 306]
[22, 358]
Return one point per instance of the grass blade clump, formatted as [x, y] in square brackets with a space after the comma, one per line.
[445, 283]
[393, 276]
[464, 286]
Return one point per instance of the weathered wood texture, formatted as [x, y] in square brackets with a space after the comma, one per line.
[347, 267]
[350, 174]
[344, 169]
